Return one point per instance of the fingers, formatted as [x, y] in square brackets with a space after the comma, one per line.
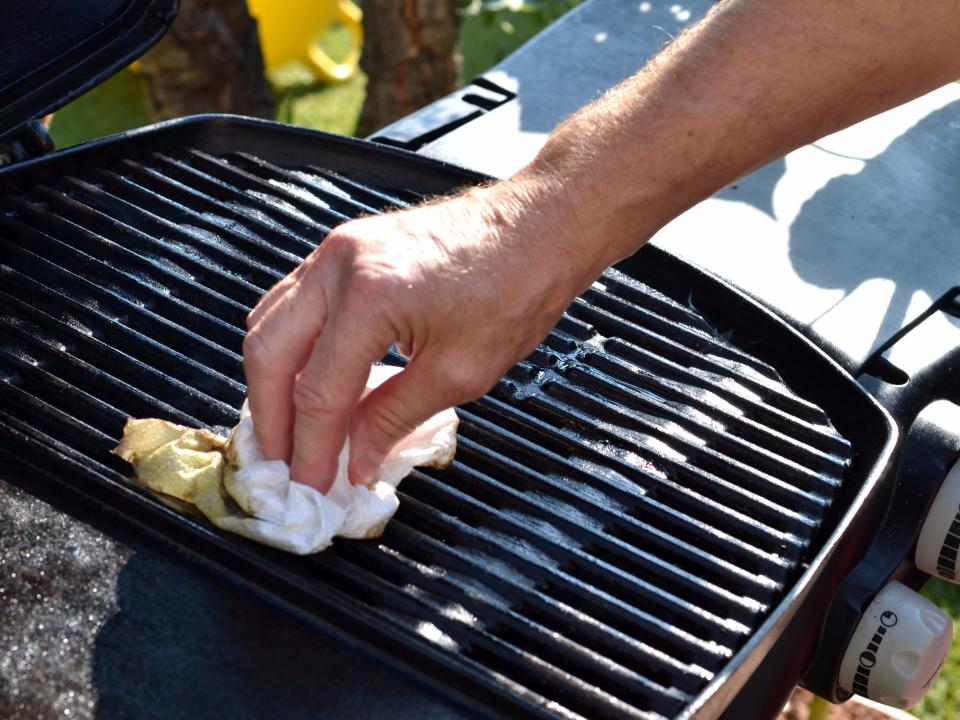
[327, 391]
[275, 349]
[393, 410]
[276, 293]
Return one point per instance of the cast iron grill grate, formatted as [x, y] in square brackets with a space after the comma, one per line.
[626, 506]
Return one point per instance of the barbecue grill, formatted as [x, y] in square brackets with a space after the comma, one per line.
[651, 516]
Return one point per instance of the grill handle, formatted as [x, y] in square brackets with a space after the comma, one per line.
[918, 365]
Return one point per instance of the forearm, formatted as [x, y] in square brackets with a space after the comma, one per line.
[467, 286]
[752, 81]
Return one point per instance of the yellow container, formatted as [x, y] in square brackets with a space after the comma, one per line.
[290, 30]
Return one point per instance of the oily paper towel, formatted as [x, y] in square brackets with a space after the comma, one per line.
[230, 482]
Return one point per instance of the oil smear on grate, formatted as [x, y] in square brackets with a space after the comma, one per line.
[625, 508]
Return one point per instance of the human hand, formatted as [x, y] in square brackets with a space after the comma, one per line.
[465, 287]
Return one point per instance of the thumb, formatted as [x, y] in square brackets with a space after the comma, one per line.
[393, 410]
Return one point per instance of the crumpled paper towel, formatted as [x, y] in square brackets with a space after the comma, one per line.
[230, 482]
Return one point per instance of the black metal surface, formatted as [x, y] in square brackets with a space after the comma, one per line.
[928, 363]
[30, 140]
[759, 680]
[630, 511]
[55, 50]
[443, 116]
[929, 451]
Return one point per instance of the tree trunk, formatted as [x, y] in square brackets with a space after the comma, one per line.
[209, 61]
[410, 55]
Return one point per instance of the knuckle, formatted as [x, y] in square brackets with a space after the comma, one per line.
[389, 423]
[333, 259]
[312, 398]
[340, 243]
[463, 382]
[373, 278]
[366, 283]
[370, 304]
[256, 351]
[362, 270]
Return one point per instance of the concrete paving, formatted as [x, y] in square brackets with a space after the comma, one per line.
[851, 238]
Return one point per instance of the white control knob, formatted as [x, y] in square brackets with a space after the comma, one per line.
[940, 536]
[898, 648]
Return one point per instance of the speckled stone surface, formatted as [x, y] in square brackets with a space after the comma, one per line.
[99, 620]
[57, 591]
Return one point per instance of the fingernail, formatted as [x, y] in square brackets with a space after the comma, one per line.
[365, 468]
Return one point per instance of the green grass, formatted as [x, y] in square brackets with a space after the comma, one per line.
[111, 107]
[118, 105]
[487, 38]
[302, 101]
[943, 700]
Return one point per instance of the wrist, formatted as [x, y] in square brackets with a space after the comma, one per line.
[541, 217]
[613, 189]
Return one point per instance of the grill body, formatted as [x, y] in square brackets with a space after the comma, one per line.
[638, 513]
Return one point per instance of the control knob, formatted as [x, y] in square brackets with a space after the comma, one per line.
[898, 648]
[940, 536]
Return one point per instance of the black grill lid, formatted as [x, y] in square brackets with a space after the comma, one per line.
[51, 51]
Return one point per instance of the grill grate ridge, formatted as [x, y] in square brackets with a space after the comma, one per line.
[423, 552]
[508, 501]
[598, 519]
[672, 533]
[464, 540]
[526, 539]
[645, 484]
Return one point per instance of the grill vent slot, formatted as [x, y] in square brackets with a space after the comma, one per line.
[626, 506]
